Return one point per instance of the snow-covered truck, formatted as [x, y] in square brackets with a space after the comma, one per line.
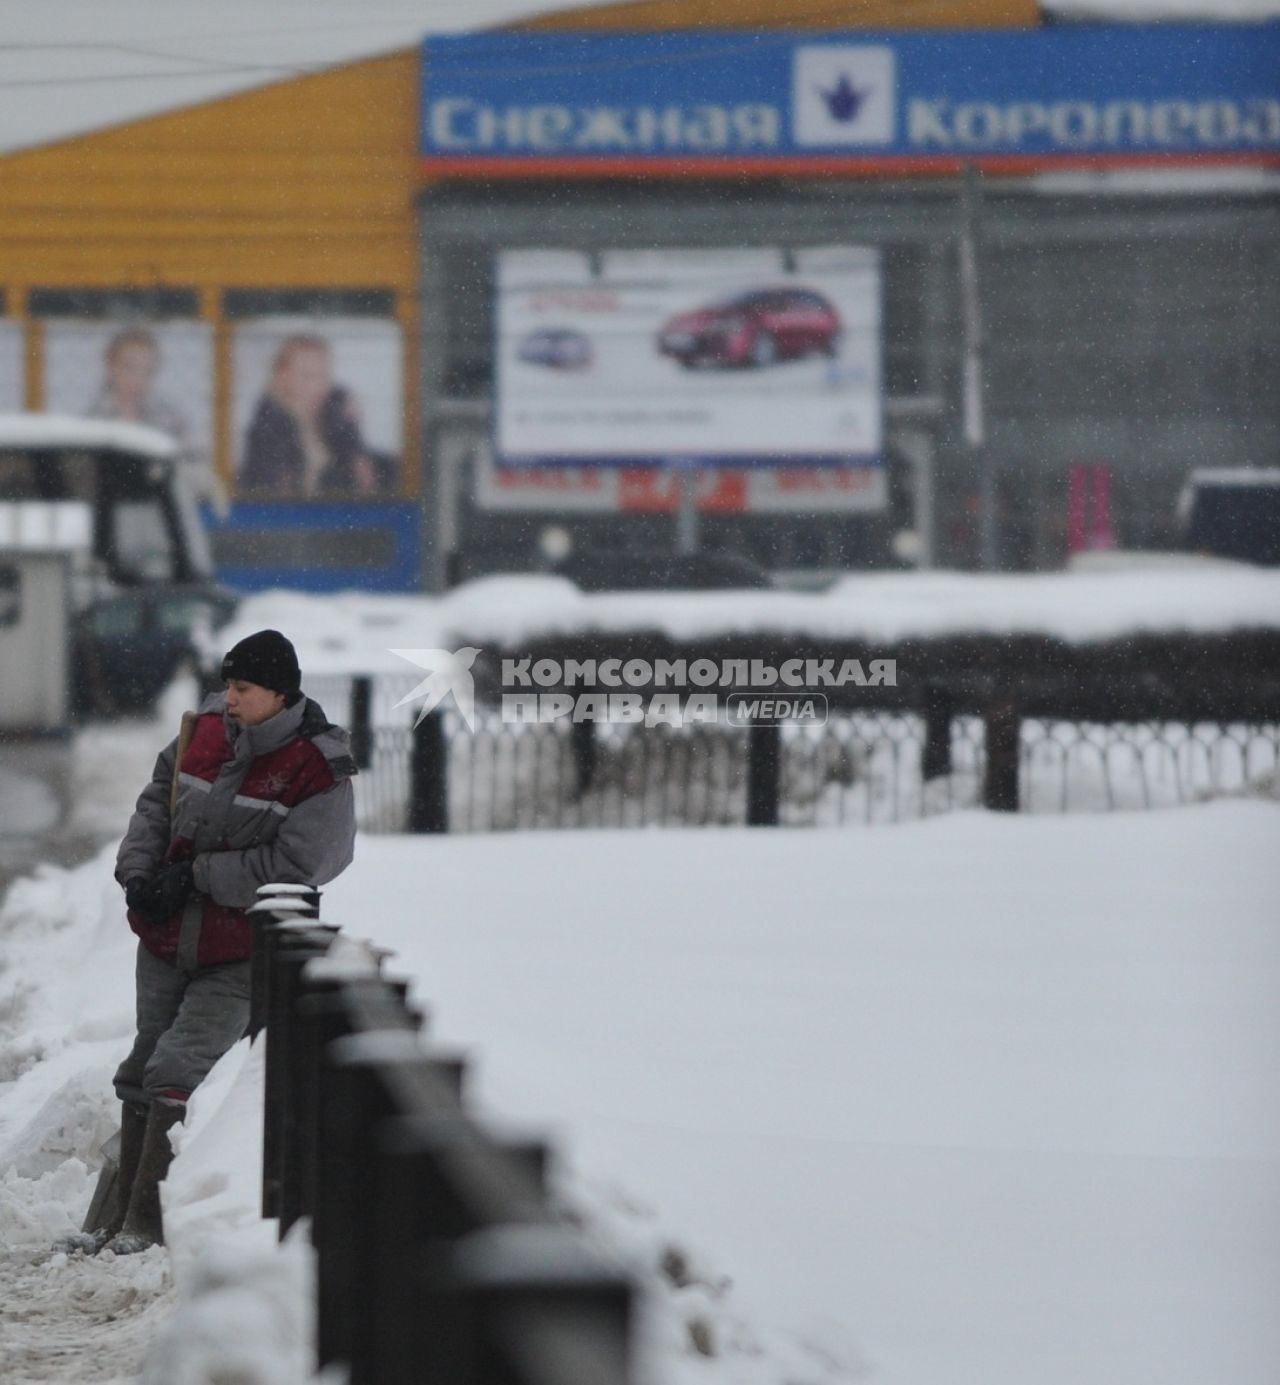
[139, 572]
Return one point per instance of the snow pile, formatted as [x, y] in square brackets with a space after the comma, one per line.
[357, 633]
[223, 1301]
[245, 1303]
[58, 1017]
[66, 1019]
[244, 1316]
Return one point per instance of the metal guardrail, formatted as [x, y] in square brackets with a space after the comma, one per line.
[439, 1256]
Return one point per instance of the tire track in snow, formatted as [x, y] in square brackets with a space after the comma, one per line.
[74, 1319]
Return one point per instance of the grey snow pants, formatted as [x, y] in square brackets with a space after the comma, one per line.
[186, 1021]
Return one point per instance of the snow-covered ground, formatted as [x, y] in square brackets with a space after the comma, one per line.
[975, 1099]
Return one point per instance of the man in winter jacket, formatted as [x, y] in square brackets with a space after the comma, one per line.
[263, 794]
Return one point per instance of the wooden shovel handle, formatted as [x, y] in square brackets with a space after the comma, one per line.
[185, 731]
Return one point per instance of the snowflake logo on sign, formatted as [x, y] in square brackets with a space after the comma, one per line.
[449, 672]
[843, 94]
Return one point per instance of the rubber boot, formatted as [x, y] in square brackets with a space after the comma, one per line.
[133, 1125]
[142, 1226]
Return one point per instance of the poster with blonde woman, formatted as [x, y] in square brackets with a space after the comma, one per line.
[128, 390]
[318, 409]
[156, 373]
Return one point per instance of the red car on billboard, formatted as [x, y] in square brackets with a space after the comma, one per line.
[757, 328]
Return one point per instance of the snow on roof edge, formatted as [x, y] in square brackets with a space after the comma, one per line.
[64, 430]
[349, 632]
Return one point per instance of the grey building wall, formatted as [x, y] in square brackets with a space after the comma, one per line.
[1137, 330]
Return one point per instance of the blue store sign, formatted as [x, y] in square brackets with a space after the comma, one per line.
[523, 104]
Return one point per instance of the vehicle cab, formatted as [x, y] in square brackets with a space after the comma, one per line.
[142, 580]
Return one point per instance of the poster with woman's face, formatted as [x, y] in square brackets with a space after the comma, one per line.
[156, 373]
[317, 408]
[12, 372]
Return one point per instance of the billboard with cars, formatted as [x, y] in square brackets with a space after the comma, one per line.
[722, 357]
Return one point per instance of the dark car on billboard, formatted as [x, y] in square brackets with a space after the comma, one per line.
[559, 348]
[757, 328]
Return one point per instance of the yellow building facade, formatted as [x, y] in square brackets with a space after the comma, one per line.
[304, 185]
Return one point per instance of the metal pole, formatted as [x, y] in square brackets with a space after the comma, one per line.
[429, 776]
[362, 721]
[916, 445]
[1003, 739]
[764, 773]
[687, 511]
[926, 512]
[975, 423]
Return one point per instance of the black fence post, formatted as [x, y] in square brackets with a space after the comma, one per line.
[563, 1312]
[318, 1019]
[429, 776]
[585, 749]
[362, 721]
[259, 965]
[1003, 722]
[764, 773]
[275, 902]
[355, 1098]
[939, 708]
[351, 1101]
[323, 1017]
[289, 947]
[418, 1205]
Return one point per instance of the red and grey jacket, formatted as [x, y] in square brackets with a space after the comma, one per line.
[255, 804]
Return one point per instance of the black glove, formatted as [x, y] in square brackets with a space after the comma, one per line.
[157, 899]
[136, 892]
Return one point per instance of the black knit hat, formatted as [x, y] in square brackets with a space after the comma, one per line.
[267, 659]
